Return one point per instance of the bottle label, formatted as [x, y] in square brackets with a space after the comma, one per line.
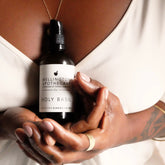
[55, 88]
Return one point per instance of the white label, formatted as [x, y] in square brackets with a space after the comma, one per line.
[55, 88]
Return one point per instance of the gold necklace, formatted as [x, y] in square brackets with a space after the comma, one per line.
[48, 12]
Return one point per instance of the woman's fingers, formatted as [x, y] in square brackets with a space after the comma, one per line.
[93, 119]
[66, 137]
[50, 153]
[74, 145]
[23, 142]
[49, 140]
[89, 85]
[96, 114]
[76, 142]
[71, 151]
[29, 152]
[69, 144]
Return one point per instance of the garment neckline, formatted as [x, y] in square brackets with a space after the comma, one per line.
[109, 37]
[16, 51]
[113, 33]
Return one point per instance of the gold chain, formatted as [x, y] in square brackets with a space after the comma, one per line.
[156, 106]
[48, 12]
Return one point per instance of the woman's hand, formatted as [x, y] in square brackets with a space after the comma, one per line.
[92, 106]
[108, 122]
[13, 118]
[110, 128]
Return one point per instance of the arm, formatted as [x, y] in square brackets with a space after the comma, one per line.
[142, 125]
[147, 124]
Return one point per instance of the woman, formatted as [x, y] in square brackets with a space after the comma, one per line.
[129, 62]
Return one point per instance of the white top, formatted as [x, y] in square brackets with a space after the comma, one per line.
[130, 62]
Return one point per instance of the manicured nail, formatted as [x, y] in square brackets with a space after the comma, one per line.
[85, 77]
[106, 93]
[50, 141]
[48, 126]
[28, 130]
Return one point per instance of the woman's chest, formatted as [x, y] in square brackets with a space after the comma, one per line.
[86, 24]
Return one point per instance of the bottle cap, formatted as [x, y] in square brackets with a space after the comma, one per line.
[56, 35]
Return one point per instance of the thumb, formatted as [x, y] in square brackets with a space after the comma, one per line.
[87, 84]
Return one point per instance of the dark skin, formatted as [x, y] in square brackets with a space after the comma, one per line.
[93, 21]
[106, 121]
[23, 20]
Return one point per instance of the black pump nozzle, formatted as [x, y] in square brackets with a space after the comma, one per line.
[56, 36]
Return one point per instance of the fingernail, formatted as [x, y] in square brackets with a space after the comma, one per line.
[106, 93]
[28, 130]
[48, 126]
[50, 141]
[85, 77]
